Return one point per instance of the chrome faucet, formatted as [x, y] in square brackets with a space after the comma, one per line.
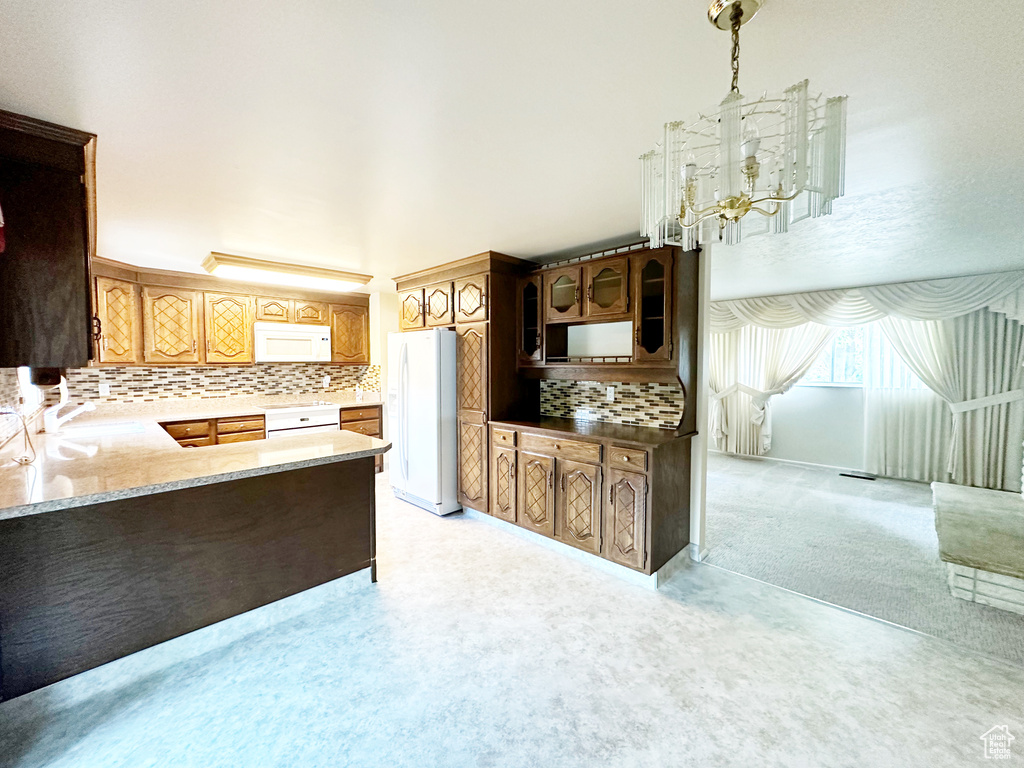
[52, 420]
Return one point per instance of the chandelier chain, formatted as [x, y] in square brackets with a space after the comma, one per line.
[736, 17]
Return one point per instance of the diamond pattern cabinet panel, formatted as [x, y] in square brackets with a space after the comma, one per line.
[310, 312]
[503, 483]
[625, 516]
[579, 505]
[440, 306]
[536, 493]
[274, 310]
[410, 309]
[471, 299]
[350, 334]
[117, 309]
[473, 465]
[471, 366]
[228, 328]
[170, 324]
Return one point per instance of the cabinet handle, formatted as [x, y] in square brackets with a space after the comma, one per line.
[611, 490]
[193, 345]
[577, 299]
[106, 345]
[636, 335]
[626, 459]
[590, 293]
[97, 328]
[563, 483]
[551, 480]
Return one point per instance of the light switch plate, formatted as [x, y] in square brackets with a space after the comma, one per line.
[104, 389]
[327, 381]
[609, 394]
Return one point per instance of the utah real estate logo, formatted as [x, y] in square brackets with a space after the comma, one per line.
[997, 743]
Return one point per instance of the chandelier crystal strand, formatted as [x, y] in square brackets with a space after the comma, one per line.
[781, 157]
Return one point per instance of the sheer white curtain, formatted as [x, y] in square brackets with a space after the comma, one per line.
[748, 367]
[973, 362]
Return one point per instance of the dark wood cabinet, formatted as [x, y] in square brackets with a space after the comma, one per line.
[503, 483]
[47, 195]
[578, 500]
[473, 462]
[439, 305]
[529, 303]
[471, 299]
[652, 313]
[607, 283]
[536, 493]
[410, 310]
[625, 516]
[471, 367]
[350, 334]
[562, 297]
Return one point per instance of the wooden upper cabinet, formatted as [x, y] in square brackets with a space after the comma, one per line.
[439, 305]
[607, 282]
[410, 310]
[350, 334]
[118, 311]
[562, 295]
[503, 483]
[274, 310]
[536, 495]
[170, 324]
[529, 301]
[652, 306]
[579, 505]
[228, 328]
[310, 312]
[625, 518]
[471, 299]
[471, 367]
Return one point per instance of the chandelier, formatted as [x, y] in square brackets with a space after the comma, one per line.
[782, 157]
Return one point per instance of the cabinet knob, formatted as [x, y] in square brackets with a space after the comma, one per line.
[625, 459]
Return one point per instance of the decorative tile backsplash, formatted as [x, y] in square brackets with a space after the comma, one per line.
[141, 384]
[643, 405]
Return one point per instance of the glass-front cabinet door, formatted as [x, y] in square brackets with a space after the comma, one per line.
[562, 299]
[652, 313]
[607, 287]
[529, 314]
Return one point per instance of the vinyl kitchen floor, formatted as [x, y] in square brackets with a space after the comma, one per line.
[478, 648]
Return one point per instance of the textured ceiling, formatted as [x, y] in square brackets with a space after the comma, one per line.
[386, 136]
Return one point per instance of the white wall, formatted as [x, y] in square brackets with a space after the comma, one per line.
[820, 425]
[383, 320]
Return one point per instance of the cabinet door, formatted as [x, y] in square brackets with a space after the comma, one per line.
[471, 299]
[350, 334]
[117, 310]
[562, 295]
[579, 505]
[228, 328]
[410, 310]
[625, 518]
[473, 463]
[170, 324]
[530, 345]
[537, 493]
[503, 483]
[310, 312]
[471, 367]
[652, 306]
[439, 305]
[274, 310]
[607, 287]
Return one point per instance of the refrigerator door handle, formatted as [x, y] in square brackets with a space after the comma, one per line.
[404, 397]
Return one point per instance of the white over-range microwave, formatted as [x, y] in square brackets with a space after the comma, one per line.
[288, 343]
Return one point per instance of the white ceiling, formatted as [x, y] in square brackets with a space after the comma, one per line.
[386, 136]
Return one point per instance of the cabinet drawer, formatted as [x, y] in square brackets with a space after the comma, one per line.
[627, 458]
[195, 442]
[369, 427]
[240, 437]
[505, 437]
[185, 429]
[240, 424]
[360, 414]
[574, 450]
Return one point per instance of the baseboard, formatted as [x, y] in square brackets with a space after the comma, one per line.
[681, 560]
[794, 461]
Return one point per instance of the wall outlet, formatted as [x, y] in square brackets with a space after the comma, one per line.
[609, 394]
[327, 382]
[104, 389]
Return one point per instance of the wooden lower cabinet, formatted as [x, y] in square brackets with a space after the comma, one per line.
[366, 420]
[536, 492]
[473, 463]
[625, 529]
[503, 483]
[578, 501]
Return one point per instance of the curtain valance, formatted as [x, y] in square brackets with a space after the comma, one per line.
[923, 300]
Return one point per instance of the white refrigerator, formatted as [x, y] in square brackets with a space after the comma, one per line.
[421, 418]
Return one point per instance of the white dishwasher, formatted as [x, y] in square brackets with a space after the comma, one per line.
[302, 418]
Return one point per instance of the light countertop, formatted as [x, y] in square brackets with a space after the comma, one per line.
[121, 452]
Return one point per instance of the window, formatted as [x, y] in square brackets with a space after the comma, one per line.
[841, 362]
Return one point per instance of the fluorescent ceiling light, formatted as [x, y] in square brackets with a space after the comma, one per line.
[291, 275]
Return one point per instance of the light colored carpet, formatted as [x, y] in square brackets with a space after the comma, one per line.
[865, 545]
